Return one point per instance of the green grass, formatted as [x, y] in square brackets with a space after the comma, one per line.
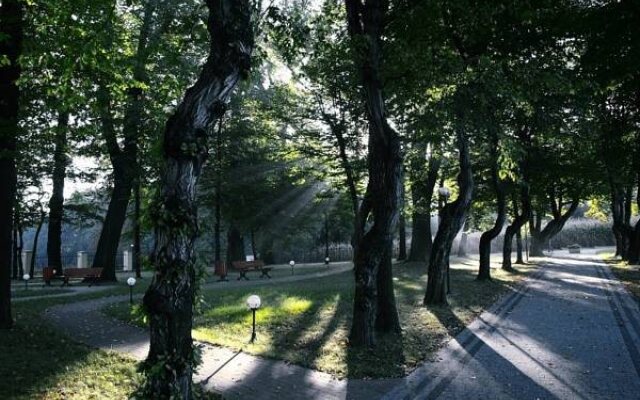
[18, 293]
[40, 363]
[307, 322]
[37, 362]
[629, 275]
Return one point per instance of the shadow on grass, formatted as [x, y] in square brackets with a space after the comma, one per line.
[39, 362]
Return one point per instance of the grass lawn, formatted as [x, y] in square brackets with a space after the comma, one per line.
[37, 292]
[40, 363]
[307, 322]
[628, 274]
[37, 362]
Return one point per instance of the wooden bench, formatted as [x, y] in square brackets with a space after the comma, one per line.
[91, 274]
[49, 274]
[247, 266]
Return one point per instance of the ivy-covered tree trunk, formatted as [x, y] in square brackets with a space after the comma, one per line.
[56, 202]
[371, 313]
[421, 194]
[11, 28]
[452, 217]
[169, 300]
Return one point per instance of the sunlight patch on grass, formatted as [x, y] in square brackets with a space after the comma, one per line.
[308, 322]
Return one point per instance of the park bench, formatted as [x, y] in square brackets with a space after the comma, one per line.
[90, 274]
[243, 267]
[574, 248]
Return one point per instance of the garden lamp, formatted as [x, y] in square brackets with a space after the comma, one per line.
[26, 278]
[253, 302]
[131, 282]
[292, 263]
[326, 260]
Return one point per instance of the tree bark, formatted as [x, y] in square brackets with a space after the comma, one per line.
[519, 247]
[56, 202]
[372, 314]
[453, 216]
[170, 297]
[539, 237]
[137, 234]
[124, 160]
[421, 194]
[235, 245]
[11, 27]
[402, 229]
[484, 272]
[34, 248]
[217, 227]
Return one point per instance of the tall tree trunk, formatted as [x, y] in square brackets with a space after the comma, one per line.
[11, 27]
[382, 198]
[19, 251]
[402, 228]
[16, 256]
[34, 248]
[56, 202]
[107, 249]
[217, 227]
[326, 237]
[421, 194]
[519, 247]
[137, 234]
[124, 160]
[453, 216]
[484, 272]
[170, 297]
[235, 245]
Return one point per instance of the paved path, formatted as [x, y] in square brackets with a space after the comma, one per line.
[572, 332]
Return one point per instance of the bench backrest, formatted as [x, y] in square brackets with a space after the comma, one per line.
[47, 273]
[257, 264]
[83, 272]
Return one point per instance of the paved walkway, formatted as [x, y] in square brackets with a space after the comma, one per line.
[572, 332]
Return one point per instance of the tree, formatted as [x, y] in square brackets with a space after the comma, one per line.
[374, 308]
[11, 34]
[169, 299]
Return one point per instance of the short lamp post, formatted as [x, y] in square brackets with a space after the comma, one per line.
[131, 282]
[326, 261]
[26, 278]
[292, 264]
[253, 302]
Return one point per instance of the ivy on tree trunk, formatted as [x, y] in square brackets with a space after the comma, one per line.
[169, 300]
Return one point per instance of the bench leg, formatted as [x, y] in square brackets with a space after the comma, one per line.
[243, 275]
[265, 274]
